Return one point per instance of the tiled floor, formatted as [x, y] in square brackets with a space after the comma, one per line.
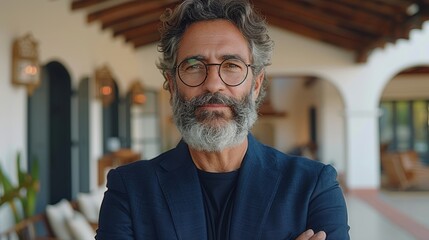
[387, 215]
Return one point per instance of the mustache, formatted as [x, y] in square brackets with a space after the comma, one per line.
[214, 98]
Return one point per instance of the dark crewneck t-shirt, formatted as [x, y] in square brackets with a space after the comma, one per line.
[218, 194]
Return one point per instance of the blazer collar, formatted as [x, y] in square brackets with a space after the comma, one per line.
[179, 182]
[257, 184]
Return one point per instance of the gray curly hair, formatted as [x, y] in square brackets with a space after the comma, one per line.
[239, 12]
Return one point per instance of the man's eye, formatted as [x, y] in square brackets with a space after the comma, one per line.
[194, 67]
[231, 65]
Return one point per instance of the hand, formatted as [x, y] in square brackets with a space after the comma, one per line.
[310, 235]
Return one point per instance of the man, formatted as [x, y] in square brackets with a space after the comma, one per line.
[219, 182]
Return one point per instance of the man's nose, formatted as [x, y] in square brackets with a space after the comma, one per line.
[213, 82]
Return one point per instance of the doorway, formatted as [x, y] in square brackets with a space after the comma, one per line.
[49, 134]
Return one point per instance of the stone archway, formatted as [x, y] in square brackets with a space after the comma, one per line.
[403, 123]
[308, 111]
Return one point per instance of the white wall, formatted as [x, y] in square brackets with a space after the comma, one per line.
[290, 95]
[12, 121]
[287, 95]
[332, 127]
[147, 57]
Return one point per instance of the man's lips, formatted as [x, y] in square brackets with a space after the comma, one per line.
[213, 106]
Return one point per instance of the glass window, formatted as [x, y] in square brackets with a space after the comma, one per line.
[404, 125]
[403, 129]
[420, 125]
[386, 123]
[145, 125]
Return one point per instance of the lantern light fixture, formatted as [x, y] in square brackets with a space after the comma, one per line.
[138, 96]
[105, 85]
[25, 63]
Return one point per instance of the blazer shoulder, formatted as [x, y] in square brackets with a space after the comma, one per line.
[151, 165]
[297, 164]
[273, 156]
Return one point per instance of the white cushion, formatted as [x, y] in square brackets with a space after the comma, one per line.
[57, 215]
[98, 196]
[90, 203]
[79, 227]
[87, 206]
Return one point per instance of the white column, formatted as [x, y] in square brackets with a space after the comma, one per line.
[363, 165]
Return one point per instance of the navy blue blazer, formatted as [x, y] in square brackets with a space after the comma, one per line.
[277, 197]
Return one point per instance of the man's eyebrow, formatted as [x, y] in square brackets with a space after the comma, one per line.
[198, 57]
[223, 57]
[232, 56]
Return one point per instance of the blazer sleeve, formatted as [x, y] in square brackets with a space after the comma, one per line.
[115, 217]
[327, 210]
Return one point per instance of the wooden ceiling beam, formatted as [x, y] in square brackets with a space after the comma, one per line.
[316, 15]
[145, 40]
[312, 33]
[325, 32]
[137, 20]
[401, 31]
[140, 31]
[126, 10]
[356, 25]
[123, 26]
[386, 8]
[401, 4]
[348, 13]
[415, 70]
[79, 4]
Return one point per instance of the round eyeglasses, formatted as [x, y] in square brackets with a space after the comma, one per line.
[193, 72]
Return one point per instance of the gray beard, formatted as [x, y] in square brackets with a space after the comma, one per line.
[199, 130]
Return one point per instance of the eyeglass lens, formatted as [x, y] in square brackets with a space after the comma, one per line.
[193, 72]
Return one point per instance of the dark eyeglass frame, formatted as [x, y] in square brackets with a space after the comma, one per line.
[206, 65]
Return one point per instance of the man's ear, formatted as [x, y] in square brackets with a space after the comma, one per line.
[259, 80]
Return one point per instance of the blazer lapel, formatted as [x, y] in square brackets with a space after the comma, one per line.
[181, 188]
[257, 185]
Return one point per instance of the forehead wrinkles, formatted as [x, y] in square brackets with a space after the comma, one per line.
[213, 39]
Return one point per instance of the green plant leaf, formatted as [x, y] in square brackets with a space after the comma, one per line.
[31, 202]
[25, 193]
[20, 173]
[5, 181]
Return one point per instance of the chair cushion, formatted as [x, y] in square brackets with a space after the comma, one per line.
[57, 215]
[79, 227]
[90, 203]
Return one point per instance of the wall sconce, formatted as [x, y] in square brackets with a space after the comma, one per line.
[137, 93]
[25, 63]
[105, 85]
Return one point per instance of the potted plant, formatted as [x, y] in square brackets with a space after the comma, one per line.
[21, 197]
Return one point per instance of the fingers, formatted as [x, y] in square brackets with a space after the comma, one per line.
[319, 236]
[310, 235]
[306, 235]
